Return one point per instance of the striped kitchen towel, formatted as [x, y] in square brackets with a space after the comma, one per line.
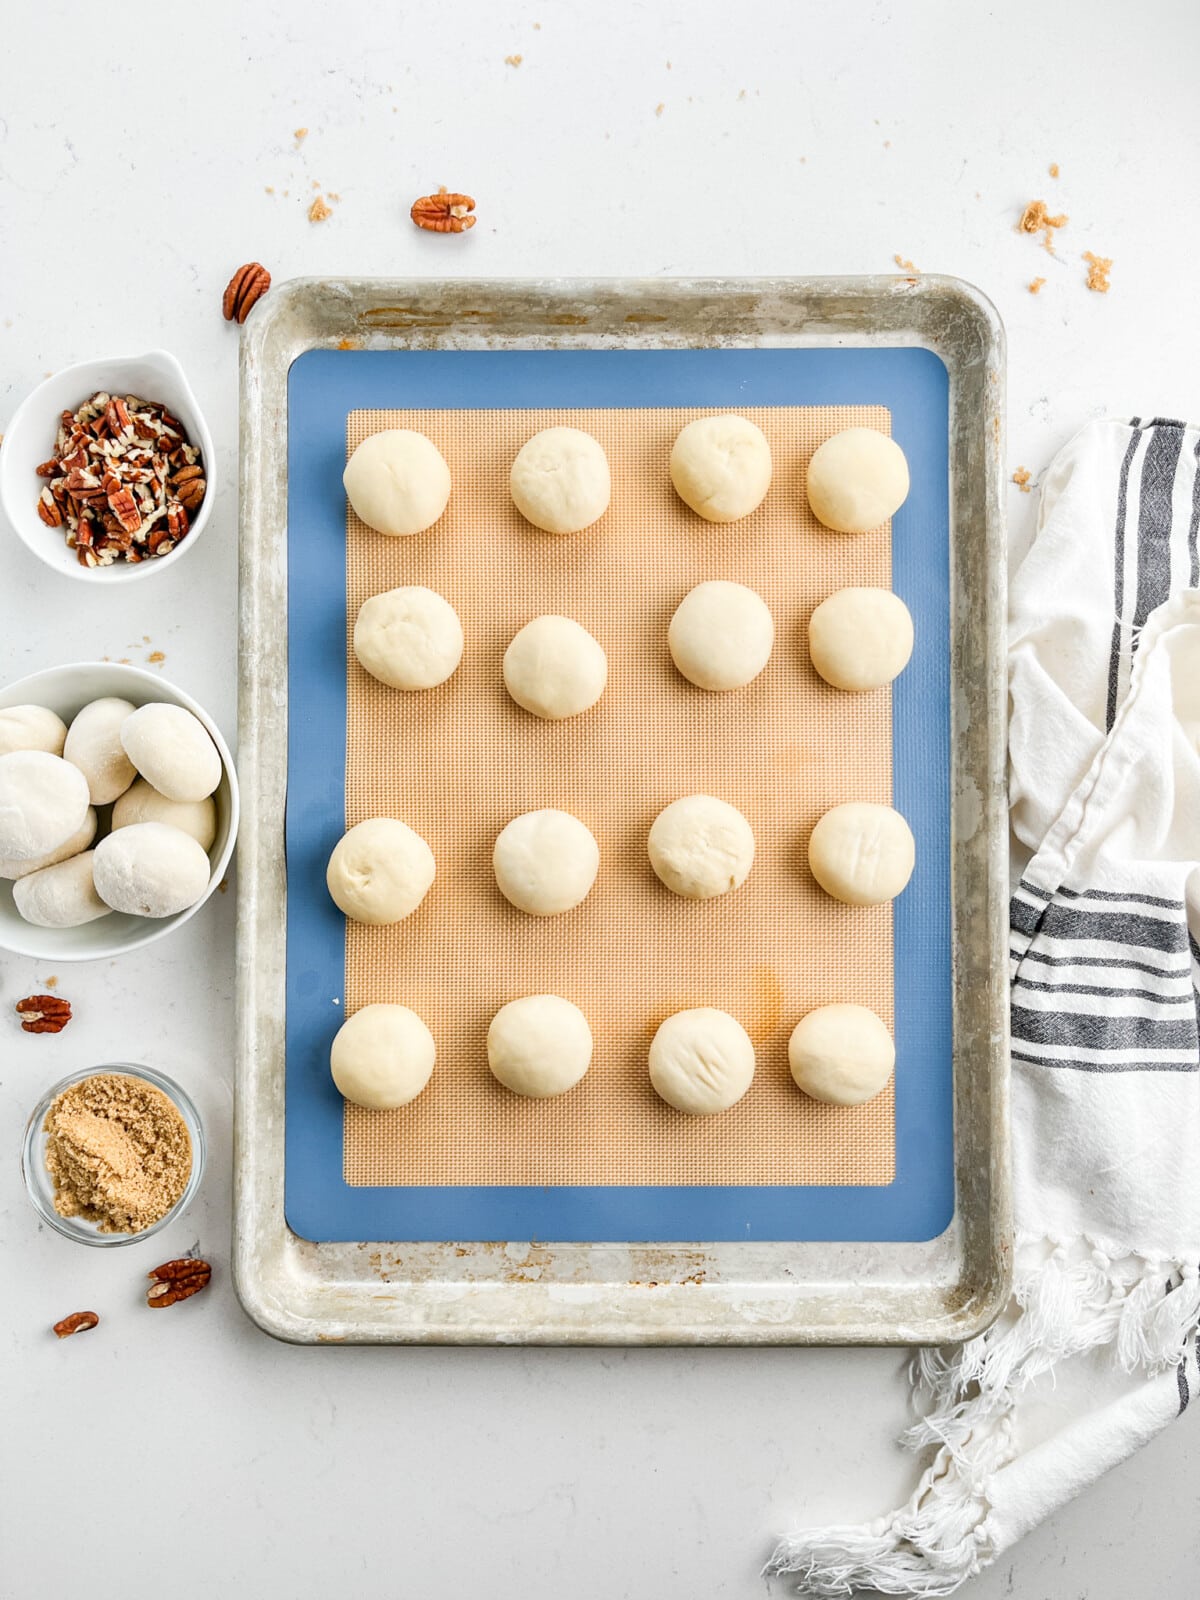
[1097, 1350]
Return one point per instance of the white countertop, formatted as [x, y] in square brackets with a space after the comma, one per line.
[135, 163]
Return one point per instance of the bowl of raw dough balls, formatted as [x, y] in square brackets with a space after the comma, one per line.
[135, 786]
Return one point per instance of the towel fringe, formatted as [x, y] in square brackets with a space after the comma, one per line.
[1076, 1299]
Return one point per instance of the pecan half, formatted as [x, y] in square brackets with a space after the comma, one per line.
[77, 1322]
[189, 485]
[443, 212]
[47, 509]
[244, 290]
[44, 1013]
[177, 1280]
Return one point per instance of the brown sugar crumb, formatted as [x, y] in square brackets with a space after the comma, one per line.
[156, 658]
[513, 61]
[300, 134]
[1098, 270]
[52, 983]
[1036, 218]
[1035, 286]
[118, 1151]
[270, 188]
[1021, 478]
[905, 266]
[660, 108]
[1054, 169]
[319, 211]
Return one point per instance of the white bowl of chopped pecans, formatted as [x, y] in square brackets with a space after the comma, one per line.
[106, 472]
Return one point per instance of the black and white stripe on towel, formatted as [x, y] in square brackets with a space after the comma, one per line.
[1104, 981]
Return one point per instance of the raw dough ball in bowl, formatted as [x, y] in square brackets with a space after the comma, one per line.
[860, 638]
[560, 480]
[554, 668]
[397, 481]
[408, 638]
[700, 846]
[721, 635]
[862, 854]
[31, 728]
[701, 1061]
[93, 744]
[382, 1057]
[857, 480]
[380, 871]
[150, 869]
[721, 467]
[43, 802]
[841, 1054]
[540, 1045]
[62, 896]
[545, 862]
[172, 751]
[143, 803]
[78, 841]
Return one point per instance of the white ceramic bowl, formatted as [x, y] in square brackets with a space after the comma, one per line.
[67, 690]
[29, 440]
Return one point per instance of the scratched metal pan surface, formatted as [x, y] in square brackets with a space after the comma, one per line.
[758, 1292]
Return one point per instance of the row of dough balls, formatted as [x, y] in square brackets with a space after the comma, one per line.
[701, 1061]
[158, 768]
[546, 861]
[398, 481]
[720, 638]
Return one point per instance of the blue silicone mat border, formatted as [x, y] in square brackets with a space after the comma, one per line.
[323, 386]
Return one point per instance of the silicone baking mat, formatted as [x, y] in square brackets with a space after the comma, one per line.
[467, 1159]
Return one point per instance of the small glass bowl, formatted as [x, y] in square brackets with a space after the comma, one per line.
[40, 1185]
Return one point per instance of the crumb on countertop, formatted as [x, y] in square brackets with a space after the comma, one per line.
[156, 658]
[1021, 478]
[300, 134]
[1036, 285]
[1036, 218]
[319, 211]
[660, 108]
[270, 188]
[904, 264]
[1098, 270]
[1054, 169]
[52, 982]
[513, 61]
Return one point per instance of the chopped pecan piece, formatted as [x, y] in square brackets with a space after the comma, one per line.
[77, 1322]
[177, 1280]
[47, 509]
[44, 1013]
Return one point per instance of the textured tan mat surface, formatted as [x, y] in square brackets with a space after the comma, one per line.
[458, 761]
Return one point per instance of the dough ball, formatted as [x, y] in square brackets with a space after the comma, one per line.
[857, 480]
[721, 467]
[860, 638]
[62, 896]
[862, 854]
[173, 751]
[554, 668]
[382, 1057]
[409, 638]
[43, 803]
[701, 1061]
[545, 862]
[31, 728]
[93, 744]
[78, 841]
[841, 1054]
[150, 869]
[397, 481]
[380, 871]
[701, 846]
[143, 803]
[721, 635]
[540, 1045]
[560, 480]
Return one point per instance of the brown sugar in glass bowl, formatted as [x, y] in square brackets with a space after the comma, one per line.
[112, 1154]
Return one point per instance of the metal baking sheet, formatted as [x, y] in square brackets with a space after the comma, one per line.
[756, 1289]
